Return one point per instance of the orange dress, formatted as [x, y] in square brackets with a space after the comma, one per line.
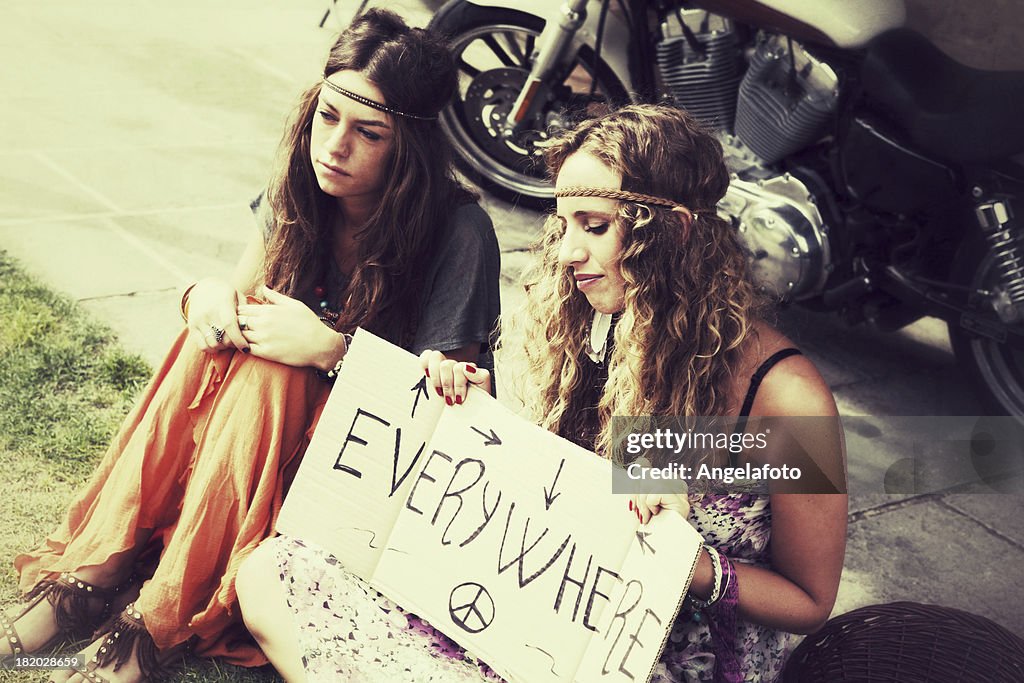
[203, 460]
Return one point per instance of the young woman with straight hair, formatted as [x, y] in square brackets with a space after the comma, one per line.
[363, 224]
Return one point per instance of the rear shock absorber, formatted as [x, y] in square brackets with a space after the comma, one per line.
[996, 220]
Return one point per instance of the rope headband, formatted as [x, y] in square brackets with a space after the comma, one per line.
[624, 196]
[374, 103]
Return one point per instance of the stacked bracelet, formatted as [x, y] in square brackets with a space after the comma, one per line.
[716, 573]
[184, 301]
[728, 574]
[716, 568]
[722, 623]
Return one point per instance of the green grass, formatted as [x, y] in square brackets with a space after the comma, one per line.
[65, 385]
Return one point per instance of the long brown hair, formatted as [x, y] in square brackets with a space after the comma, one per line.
[416, 73]
[689, 300]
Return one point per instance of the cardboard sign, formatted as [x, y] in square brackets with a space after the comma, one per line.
[499, 533]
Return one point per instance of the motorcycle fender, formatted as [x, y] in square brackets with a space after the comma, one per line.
[848, 25]
[614, 44]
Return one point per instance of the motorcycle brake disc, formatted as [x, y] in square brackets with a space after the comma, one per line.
[487, 104]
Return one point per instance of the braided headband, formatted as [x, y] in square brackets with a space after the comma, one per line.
[374, 103]
[622, 195]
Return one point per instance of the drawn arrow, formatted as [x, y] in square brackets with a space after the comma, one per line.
[549, 496]
[491, 439]
[641, 538]
[420, 388]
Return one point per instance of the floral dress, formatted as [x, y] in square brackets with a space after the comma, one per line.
[348, 631]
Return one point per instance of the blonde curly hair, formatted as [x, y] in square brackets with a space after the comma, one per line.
[689, 298]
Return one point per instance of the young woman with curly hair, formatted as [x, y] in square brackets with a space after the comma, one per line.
[636, 238]
[363, 224]
[640, 304]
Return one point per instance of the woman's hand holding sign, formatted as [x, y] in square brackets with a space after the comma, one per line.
[646, 505]
[450, 378]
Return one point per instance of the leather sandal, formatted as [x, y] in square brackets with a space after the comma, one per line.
[127, 636]
[70, 598]
[89, 673]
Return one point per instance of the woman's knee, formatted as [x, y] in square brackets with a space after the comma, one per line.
[256, 585]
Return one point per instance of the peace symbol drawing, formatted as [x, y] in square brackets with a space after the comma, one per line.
[471, 607]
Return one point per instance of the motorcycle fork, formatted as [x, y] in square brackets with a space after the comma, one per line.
[552, 49]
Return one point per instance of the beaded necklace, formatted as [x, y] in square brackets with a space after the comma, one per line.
[327, 316]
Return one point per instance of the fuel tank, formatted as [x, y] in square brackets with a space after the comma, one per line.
[841, 23]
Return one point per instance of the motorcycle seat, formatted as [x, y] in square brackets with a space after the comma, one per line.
[954, 112]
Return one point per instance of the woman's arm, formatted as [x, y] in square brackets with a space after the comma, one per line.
[283, 330]
[808, 533]
[462, 306]
[212, 301]
[246, 275]
[808, 544]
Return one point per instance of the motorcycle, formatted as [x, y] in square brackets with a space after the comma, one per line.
[872, 175]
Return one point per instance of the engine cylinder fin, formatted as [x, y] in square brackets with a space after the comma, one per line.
[780, 112]
[703, 83]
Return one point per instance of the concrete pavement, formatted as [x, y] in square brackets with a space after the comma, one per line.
[134, 133]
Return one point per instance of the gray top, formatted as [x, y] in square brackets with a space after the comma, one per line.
[460, 303]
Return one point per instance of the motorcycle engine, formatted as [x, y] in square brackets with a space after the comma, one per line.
[781, 226]
[699, 64]
[785, 101]
[782, 105]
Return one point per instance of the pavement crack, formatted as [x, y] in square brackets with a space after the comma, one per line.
[127, 295]
[882, 509]
[987, 527]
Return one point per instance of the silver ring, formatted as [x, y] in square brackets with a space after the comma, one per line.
[243, 323]
[217, 332]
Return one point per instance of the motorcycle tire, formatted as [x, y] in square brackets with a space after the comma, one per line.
[995, 370]
[492, 47]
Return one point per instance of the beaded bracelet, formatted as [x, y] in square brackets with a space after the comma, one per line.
[332, 374]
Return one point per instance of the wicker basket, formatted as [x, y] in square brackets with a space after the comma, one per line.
[907, 642]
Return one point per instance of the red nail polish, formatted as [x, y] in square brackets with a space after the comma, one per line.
[427, 371]
[458, 400]
[448, 400]
[630, 505]
[439, 392]
[470, 369]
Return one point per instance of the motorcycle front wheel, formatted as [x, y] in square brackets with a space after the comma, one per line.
[493, 48]
[994, 367]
